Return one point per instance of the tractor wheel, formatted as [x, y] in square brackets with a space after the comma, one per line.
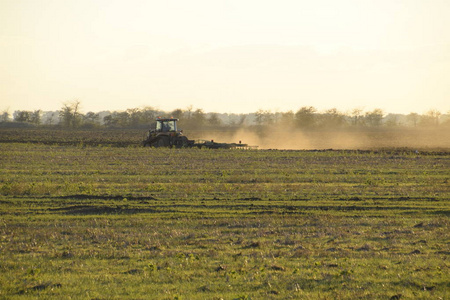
[181, 142]
[162, 142]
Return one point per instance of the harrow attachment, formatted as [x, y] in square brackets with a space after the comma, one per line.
[214, 145]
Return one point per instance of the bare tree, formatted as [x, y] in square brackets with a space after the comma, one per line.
[177, 113]
[306, 117]
[264, 117]
[134, 115]
[188, 112]
[50, 117]
[332, 118]
[430, 118]
[374, 118]
[391, 120]
[4, 117]
[70, 115]
[413, 118]
[259, 117]
[287, 119]
[35, 117]
[22, 116]
[197, 119]
[148, 115]
[356, 115]
[214, 120]
[91, 119]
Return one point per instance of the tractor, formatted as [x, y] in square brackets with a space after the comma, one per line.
[166, 134]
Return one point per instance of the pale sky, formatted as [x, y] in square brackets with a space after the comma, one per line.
[225, 56]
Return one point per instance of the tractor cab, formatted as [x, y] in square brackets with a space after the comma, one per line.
[166, 125]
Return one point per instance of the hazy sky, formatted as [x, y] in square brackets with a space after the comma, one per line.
[225, 56]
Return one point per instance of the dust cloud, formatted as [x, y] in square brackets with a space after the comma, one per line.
[369, 138]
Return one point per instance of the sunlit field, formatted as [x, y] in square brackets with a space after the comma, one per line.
[97, 221]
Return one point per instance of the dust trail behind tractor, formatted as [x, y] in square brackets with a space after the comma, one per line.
[166, 134]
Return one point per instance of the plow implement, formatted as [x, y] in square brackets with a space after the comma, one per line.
[214, 145]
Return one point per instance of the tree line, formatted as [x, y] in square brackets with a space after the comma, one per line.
[307, 117]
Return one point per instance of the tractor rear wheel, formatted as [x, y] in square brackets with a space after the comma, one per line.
[162, 142]
[181, 142]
